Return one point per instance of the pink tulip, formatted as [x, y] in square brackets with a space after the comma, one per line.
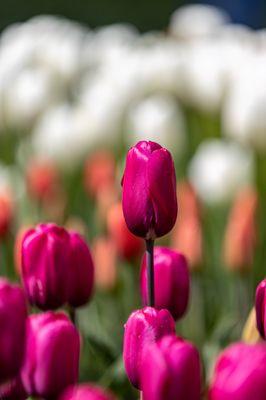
[240, 373]
[13, 314]
[51, 361]
[45, 265]
[143, 327]
[171, 281]
[86, 392]
[171, 370]
[81, 274]
[149, 190]
[261, 308]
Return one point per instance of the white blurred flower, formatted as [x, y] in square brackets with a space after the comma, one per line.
[196, 21]
[157, 118]
[244, 112]
[27, 96]
[219, 169]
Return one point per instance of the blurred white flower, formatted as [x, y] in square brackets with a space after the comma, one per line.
[157, 118]
[27, 96]
[244, 112]
[219, 169]
[196, 21]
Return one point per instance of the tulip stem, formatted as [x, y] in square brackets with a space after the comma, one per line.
[150, 271]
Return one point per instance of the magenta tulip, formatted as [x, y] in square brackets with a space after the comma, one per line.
[86, 392]
[13, 315]
[240, 373]
[149, 190]
[45, 265]
[261, 308]
[81, 272]
[171, 281]
[143, 327]
[171, 370]
[51, 361]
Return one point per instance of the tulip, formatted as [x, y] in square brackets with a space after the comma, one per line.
[240, 373]
[6, 211]
[81, 272]
[13, 314]
[149, 190]
[105, 260]
[261, 307]
[13, 390]
[171, 281]
[171, 370]
[51, 359]
[143, 327]
[45, 265]
[85, 392]
[128, 246]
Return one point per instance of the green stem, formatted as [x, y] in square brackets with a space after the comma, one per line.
[150, 271]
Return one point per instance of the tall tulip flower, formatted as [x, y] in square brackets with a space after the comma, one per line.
[13, 314]
[260, 304]
[240, 373]
[171, 370]
[86, 392]
[171, 281]
[149, 197]
[143, 327]
[51, 359]
[45, 265]
[149, 190]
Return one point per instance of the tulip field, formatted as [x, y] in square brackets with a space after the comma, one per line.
[132, 210]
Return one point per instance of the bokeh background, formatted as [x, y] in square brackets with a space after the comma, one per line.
[80, 82]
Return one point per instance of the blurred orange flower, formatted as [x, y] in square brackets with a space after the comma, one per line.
[105, 257]
[6, 211]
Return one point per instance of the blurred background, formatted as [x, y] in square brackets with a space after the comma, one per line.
[80, 82]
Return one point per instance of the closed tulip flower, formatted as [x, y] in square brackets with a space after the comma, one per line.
[86, 392]
[81, 272]
[143, 327]
[240, 373]
[149, 190]
[261, 307]
[51, 361]
[171, 370]
[45, 265]
[171, 281]
[13, 313]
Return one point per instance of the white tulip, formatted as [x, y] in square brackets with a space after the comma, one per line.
[196, 21]
[219, 169]
[157, 118]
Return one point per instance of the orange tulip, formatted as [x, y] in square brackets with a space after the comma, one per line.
[104, 256]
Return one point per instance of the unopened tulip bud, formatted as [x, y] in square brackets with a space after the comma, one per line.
[86, 392]
[128, 245]
[51, 361]
[171, 370]
[81, 273]
[13, 314]
[143, 328]
[240, 373]
[149, 190]
[260, 305]
[45, 265]
[42, 179]
[240, 235]
[171, 278]
[6, 211]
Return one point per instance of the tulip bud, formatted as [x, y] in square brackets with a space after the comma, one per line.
[51, 361]
[260, 305]
[86, 392]
[105, 261]
[149, 190]
[45, 265]
[13, 313]
[240, 373]
[143, 327]
[171, 370]
[81, 272]
[128, 246]
[171, 278]
[6, 211]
